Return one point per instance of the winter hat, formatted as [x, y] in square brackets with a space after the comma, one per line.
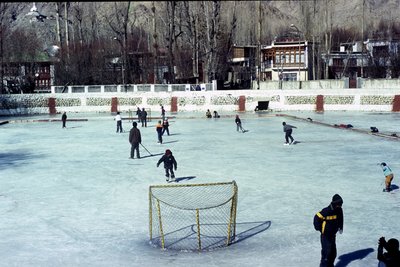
[392, 245]
[134, 124]
[168, 152]
[337, 200]
[383, 164]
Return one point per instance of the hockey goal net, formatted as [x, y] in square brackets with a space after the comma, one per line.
[192, 216]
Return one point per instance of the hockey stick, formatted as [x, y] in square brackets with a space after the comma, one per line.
[146, 149]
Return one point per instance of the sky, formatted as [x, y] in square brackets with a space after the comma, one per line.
[73, 197]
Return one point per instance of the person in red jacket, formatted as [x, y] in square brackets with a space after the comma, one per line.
[329, 221]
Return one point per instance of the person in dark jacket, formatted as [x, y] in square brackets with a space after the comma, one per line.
[165, 126]
[135, 138]
[391, 258]
[143, 117]
[139, 114]
[64, 119]
[287, 128]
[239, 124]
[329, 221]
[170, 164]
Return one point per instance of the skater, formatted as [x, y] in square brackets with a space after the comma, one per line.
[139, 114]
[288, 133]
[165, 127]
[169, 164]
[329, 221]
[159, 129]
[143, 117]
[162, 113]
[216, 116]
[208, 114]
[118, 119]
[391, 258]
[239, 124]
[64, 119]
[135, 138]
[388, 175]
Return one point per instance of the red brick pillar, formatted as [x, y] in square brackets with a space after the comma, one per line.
[396, 103]
[320, 103]
[242, 103]
[174, 104]
[52, 105]
[114, 104]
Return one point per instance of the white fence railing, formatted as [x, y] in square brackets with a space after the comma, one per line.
[130, 88]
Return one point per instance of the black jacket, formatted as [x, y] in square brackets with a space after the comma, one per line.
[329, 220]
[169, 161]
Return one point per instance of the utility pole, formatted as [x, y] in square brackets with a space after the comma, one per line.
[362, 40]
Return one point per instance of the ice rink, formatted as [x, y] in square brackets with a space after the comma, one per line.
[72, 197]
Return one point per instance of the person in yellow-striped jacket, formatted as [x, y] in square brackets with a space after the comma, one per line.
[329, 221]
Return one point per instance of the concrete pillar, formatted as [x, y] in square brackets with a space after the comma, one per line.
[320, 103]
[174, 104]
[242, 103]
[396, 103]
[52, 105]
[114, 104]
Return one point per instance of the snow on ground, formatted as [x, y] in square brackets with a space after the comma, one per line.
[72, 197]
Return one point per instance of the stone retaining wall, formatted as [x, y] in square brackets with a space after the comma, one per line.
[229, 100]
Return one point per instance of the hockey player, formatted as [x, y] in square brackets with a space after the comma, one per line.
[388, 175]
[239, 124]
[391, 258]
[329, 221]
[159, 130]
[288, 133]
[170, 164]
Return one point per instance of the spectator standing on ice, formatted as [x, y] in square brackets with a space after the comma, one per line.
[170, 164]
[143, 117]
[388, 176]
[159, 129]
[118, 119]
[238, 122]
[135, 138]
[329, 221]
[64, 119]
[391, 258]
[288, 129]
[138, 113]
[165, 126]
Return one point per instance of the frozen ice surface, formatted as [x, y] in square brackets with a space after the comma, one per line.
[72, 197]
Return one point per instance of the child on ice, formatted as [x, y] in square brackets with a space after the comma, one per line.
[389, 176]
[169, 164]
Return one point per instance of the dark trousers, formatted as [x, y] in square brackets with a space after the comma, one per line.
[168, 171]
[144, 122]
[119, 126]
[63, 123]
[328, 251]
[159, 134]
[135, 147]
[165, 129]
[288, 135]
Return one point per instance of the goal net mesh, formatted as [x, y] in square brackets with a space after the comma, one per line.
[192, 216]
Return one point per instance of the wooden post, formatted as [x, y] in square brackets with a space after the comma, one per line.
[174, 104]
[396, 103]
[114, 104]
[320, 103]
[52, 105]
[242, 103]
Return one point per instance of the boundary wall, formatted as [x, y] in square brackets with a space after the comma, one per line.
[381, 100]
